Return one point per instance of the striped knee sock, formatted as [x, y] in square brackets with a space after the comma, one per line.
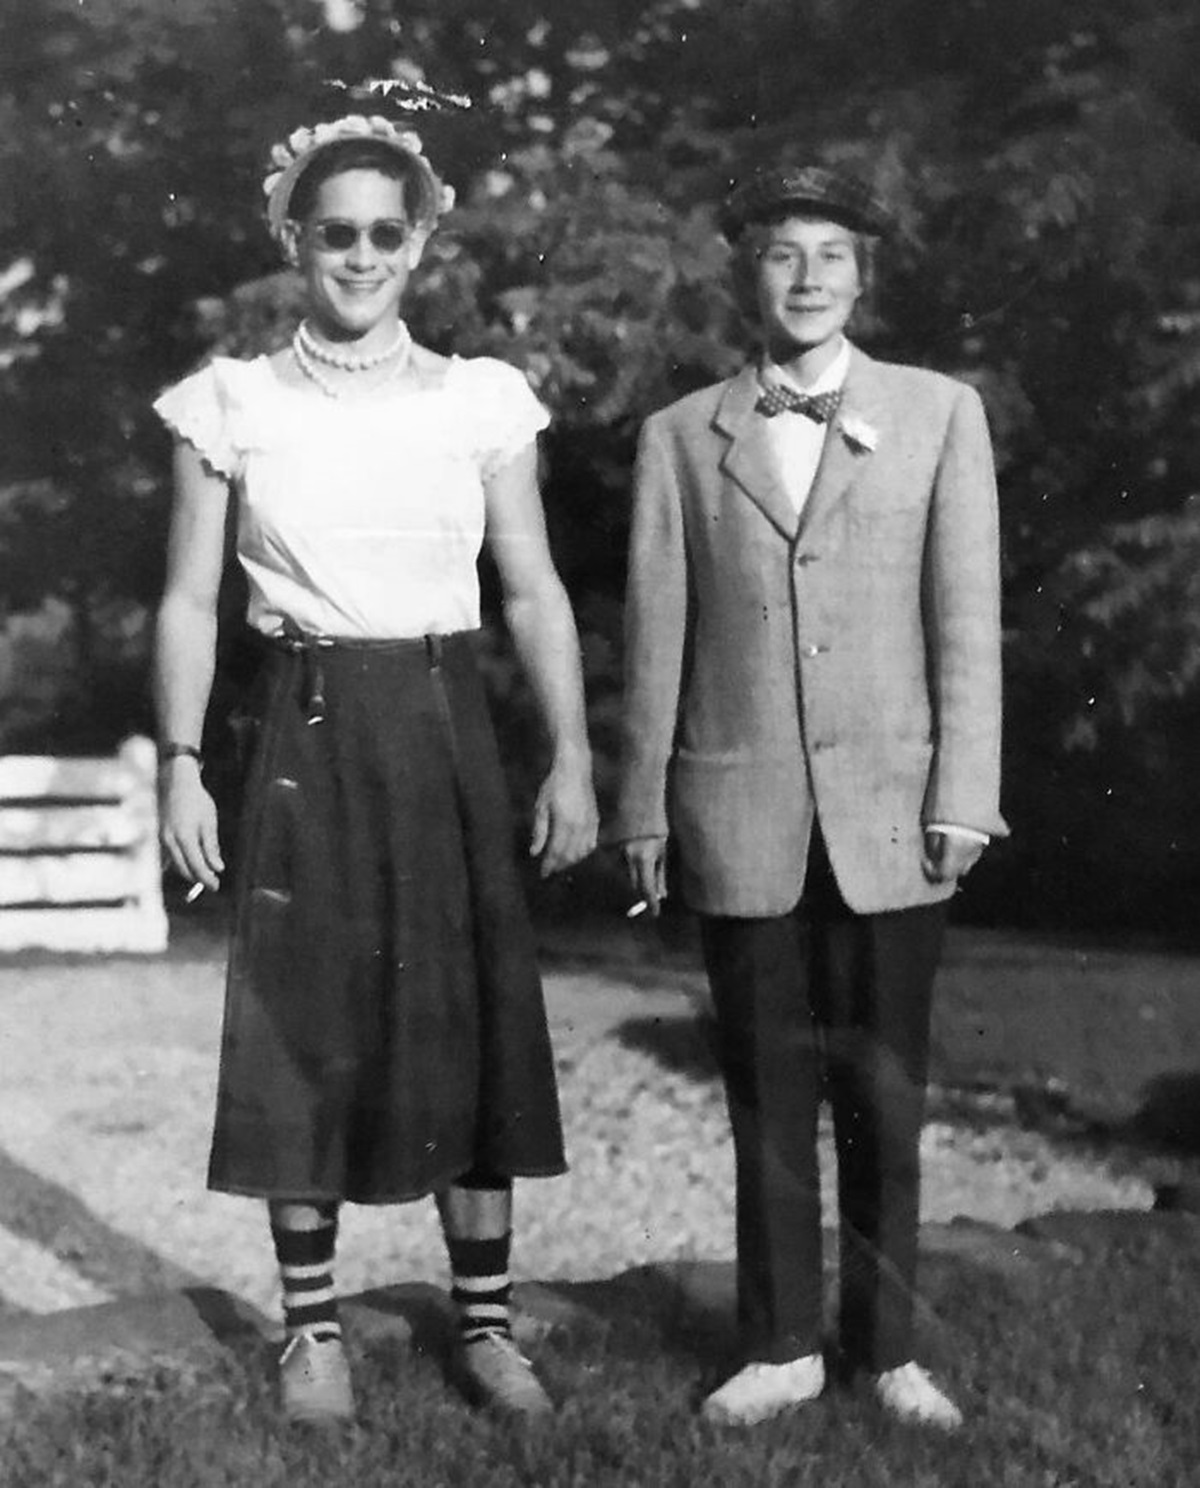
[479, 1285]
[306, 1272]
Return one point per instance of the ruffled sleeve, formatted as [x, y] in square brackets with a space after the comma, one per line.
[198, 410]
[504, 412]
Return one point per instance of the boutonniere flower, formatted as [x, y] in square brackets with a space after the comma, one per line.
[858, 432]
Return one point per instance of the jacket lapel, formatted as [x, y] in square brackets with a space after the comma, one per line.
[748, 460]
[842, 458]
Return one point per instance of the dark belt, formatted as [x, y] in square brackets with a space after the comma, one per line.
[309, 646]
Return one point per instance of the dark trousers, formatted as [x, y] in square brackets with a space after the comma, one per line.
[825, 1002]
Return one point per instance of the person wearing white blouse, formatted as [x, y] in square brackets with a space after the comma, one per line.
[385, 1033]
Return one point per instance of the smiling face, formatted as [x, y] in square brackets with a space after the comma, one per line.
[354, 292]
[807, 283]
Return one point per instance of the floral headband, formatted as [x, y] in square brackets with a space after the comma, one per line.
[291, 159]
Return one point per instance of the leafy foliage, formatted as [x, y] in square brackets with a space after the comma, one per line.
[1136, 595]
[1044, 160]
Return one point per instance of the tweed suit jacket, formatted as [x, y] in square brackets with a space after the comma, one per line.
[844, 664]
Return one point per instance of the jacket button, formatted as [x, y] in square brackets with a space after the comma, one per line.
[815, 650]
[805, 558]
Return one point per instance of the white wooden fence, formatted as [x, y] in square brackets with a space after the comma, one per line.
[79, 858]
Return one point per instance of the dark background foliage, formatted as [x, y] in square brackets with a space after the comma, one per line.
[1043, 157]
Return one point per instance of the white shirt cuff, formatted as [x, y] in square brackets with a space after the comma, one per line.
[971, 834]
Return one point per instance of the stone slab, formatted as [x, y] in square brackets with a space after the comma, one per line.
[1009, 1253]
[95, 1347]
[1089, 1231]
[115, 1342]
[420, 1315]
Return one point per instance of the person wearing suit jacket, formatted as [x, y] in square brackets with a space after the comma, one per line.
[813, 715]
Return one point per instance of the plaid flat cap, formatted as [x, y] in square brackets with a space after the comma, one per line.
[807, 188]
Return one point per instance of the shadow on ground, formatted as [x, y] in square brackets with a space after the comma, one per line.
[44, 1213]
[1161, 1117]
[684, 1046]
[1168, 1115]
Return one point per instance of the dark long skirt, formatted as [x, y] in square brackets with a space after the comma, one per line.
[385, 1030]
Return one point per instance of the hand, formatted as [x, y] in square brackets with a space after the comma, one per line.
[188, 823]
[948, 856]
[646, 863]
[565, 818]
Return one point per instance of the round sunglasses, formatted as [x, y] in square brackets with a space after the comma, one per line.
[333, 235]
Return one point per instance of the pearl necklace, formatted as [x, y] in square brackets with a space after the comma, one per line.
[331, 358]
[304, 349]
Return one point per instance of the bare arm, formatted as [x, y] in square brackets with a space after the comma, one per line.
[542, 626]
[185, 654]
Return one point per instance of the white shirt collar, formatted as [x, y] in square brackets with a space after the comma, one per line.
[829, 381]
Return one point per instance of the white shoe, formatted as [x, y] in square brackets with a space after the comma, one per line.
[759, 1391]
[908, 1393]
[492, 1371]
[314, 1380]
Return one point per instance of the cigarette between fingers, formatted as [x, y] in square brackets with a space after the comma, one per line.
[193, 893]
[636, 909]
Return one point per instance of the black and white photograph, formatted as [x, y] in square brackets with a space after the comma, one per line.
[599, 706]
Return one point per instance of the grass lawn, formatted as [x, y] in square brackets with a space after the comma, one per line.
[1077, 1370]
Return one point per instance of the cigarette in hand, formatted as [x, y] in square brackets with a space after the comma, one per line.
[193, 893]
[637, 909]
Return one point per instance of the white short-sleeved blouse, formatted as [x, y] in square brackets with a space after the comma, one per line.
[360, 517]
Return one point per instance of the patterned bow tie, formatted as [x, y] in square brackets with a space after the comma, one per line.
[820, 407]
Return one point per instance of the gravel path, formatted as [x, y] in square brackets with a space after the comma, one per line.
[107, 1092]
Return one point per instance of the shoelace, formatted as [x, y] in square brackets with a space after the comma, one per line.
[504, 1341]
[297, 1339]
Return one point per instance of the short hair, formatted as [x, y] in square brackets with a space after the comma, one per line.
[750, 242]
[348, 155]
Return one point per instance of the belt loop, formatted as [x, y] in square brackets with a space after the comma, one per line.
[433, 649]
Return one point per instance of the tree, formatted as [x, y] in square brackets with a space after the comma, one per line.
[1044, 160]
